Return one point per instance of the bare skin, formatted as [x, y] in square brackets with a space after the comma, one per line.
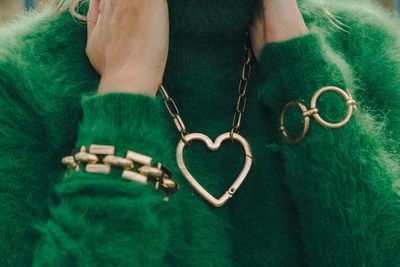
[128, 44]
[128, 39]
[278, 21]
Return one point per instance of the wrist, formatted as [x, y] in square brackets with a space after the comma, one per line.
[303, 69]
[283, 33]
[283, 22]
[130, 81]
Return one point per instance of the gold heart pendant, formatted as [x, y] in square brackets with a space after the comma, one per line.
[214, 146]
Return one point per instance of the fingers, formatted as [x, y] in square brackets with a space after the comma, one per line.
[93, 15]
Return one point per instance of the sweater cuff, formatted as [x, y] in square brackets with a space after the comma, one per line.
[126, 121]
[295, 70]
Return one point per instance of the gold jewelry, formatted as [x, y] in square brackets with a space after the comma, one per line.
[145, 171]
[233, 135]
[313, 111]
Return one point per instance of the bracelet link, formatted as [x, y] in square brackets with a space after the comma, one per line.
[304, 110]
[119, 162]
[98, 168]
[313, 112]
[84, 157]
[134, 176]
[102, 150]
[139, 158]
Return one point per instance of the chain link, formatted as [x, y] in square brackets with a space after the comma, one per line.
[174, 112]
[240, 104]
[242, 90]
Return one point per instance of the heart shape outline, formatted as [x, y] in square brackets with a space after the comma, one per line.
[214, 146]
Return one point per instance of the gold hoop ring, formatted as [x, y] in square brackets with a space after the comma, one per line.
[349, 102]
[303, 109]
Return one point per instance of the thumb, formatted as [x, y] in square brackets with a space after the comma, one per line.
[92, 15]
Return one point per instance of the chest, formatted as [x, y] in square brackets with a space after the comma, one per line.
[204, 86]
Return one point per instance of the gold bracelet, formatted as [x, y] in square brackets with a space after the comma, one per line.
[313, 111]
[135, 167]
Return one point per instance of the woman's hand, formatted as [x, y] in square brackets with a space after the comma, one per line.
[276, 21]
[128, 44]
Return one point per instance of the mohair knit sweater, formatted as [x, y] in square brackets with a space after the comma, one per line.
[330, 200]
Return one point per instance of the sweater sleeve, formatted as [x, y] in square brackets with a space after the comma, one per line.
[25, 182]
[345, 181]
[90, 223]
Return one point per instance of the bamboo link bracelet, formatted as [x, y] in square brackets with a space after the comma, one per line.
[134, 166]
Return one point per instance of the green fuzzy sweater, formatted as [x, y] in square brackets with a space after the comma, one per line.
[331, 200]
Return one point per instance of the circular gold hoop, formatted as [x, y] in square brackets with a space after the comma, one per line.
[303, 109]
[349, 102]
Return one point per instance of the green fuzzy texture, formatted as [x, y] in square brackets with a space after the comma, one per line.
[331, 200]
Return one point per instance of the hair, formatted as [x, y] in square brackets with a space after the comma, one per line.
[71, 7]
[334, 20]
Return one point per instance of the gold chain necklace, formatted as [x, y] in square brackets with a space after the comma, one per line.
[233, 135]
